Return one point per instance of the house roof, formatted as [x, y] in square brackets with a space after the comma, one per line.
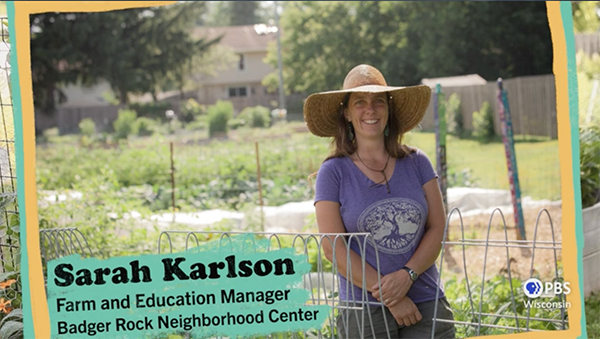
[455, 81]
[240, 38]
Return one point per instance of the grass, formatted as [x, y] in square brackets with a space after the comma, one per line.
[537, 162]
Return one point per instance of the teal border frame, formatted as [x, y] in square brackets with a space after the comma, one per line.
[566, 11]
[19, 156]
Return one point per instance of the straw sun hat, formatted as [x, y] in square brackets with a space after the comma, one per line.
[321, 110]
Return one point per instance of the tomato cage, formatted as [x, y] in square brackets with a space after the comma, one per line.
[497, 303]
[62, 242]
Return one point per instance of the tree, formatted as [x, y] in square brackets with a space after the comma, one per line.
[217, 14]
[236, 13]
[207, 65]
[322, 41]
[408, 41]
[586, 16]
[244, 13]
[492, 39]
[137, 51]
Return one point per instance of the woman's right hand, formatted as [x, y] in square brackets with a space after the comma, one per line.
[406, 312]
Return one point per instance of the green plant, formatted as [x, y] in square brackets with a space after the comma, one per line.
[11, 326]
[589, 158]
[190, 110]
[125, 125]
[50, 133]
[592, 313]
[87, 127]
[175, 125]
[146, 126]
[483, 123]
[153, 110]
[116, 229]
[223, 174]
[200, 124]
[462, 178]
[236, 123]
[588, 72]
[454, 117]
[11, 316]
[257, 116]
[218, 115]
[498, 306]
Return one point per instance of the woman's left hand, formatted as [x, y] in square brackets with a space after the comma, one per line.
[394, 287]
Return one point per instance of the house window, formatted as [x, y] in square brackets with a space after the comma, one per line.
[241, 63]
[237, 92]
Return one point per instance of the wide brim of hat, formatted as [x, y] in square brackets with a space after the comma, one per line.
[321, 110]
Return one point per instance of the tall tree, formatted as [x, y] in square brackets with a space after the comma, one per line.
[244, 13]
[236, 13]
[409, 41]
[321, 41]
[217, 14]
[586, 18]
[492, 39]
[136, 50]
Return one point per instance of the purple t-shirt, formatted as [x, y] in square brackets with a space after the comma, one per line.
[396, 220]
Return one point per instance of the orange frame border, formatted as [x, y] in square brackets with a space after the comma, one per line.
[34, 282]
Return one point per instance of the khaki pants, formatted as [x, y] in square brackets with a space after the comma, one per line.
[349, 323]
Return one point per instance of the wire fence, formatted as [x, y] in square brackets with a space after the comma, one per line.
[481, 305]
[486, 293]
[10, 277]
[61, 242]
[515, 317]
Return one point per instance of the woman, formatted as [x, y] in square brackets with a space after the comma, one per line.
[374, 184]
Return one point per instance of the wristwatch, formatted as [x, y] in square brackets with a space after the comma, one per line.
[412, 274]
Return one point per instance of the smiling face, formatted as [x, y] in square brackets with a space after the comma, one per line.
[368, 113]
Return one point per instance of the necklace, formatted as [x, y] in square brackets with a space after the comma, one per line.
[387, 184]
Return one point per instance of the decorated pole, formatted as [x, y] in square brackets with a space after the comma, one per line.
[511, 160]
[439, 116]
[439, 110]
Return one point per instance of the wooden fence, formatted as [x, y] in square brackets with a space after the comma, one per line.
[67, 118]
[587, 42]
[591, 249]
[532, 102]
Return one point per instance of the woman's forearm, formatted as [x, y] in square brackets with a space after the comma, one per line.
[350, 265]
[427, 251]
[431, 243]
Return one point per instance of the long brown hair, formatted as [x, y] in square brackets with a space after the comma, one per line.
[342, 146]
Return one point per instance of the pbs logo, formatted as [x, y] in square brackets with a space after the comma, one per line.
[534, 288]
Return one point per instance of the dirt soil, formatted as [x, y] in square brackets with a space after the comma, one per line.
[475, 260]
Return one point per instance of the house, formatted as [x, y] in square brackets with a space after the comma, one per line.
[241, 83]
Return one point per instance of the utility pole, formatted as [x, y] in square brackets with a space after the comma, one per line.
[281, 93]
